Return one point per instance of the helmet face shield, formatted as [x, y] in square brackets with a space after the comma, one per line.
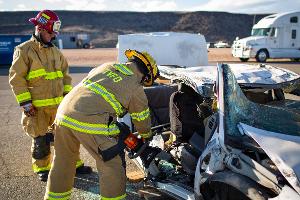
[56, 26]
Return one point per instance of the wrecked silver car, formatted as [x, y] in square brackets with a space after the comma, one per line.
[234, 137]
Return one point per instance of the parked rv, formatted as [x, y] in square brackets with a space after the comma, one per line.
[274, 36]
[188, 50]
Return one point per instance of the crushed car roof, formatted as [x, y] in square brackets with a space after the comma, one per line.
[202, 78]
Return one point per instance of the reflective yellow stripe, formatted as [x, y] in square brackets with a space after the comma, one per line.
[23, 97]
[54, 75]
[60, 198]
[61, 195]
[46, 16]
[84, 127]
[36, 73]
[67, 88]
[107, 96]
[114, 198]
[123, 69]
[146, 135]
[37, 169]
[47, 102]
[42, 72]
[141, 115]
[79, 163]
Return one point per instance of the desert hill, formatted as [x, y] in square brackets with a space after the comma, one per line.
[104, 27]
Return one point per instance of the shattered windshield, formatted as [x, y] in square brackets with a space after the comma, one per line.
[237, 108]
[260, 32]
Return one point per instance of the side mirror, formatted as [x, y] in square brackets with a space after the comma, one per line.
[273, 32]
[276, 32]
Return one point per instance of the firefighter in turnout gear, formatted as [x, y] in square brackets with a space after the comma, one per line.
[39, 79]
[87, 116]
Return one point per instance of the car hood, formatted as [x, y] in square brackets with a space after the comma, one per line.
[286, 159]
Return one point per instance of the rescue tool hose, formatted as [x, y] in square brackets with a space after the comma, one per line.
[133, 155]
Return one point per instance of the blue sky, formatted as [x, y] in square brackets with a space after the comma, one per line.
[234, 6]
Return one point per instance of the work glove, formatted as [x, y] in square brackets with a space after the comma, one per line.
[29, 110]
[147, 137]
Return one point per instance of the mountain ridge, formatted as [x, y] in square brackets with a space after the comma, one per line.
[105, 26]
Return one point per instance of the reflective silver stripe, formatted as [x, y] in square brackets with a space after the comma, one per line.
[87, 127]
[109, 97]
[123, 69]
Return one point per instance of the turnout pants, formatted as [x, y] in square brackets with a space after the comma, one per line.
[37, 126]
[112, 178]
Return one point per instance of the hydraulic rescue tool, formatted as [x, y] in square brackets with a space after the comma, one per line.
[134, 145]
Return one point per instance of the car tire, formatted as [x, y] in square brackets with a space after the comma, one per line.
[262, 55]
[86, 46]
[295, 59]
[228, 185]
[244, 59]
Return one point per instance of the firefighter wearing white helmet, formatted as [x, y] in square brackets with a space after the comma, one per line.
[39, 79]
[87, 116]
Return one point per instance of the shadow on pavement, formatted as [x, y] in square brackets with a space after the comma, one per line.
[80, 69]
[73, 70]
[4, 70]
[90, 183]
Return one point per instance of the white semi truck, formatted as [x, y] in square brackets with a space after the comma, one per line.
[274, 36]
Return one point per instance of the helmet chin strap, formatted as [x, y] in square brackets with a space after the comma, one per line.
[40, 39]
[52, 39]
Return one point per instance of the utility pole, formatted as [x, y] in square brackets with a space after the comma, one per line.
[254, 19]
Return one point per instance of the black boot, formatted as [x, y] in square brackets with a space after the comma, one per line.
[40, 148]
[84, 170]
[43, 175]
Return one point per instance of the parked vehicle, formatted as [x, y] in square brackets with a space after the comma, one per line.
[73, 41]
[209, 45]
[250, 145]
[274, 36]
[221, 44]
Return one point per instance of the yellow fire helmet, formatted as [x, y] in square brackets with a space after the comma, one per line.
[152, 70]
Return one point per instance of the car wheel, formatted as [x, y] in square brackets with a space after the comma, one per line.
[262, 55]
[228, 185]
[244, 59]
[295, 59]
[86, 46]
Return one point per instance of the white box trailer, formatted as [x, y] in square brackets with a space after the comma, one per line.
[167, 48]
[274, 36]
